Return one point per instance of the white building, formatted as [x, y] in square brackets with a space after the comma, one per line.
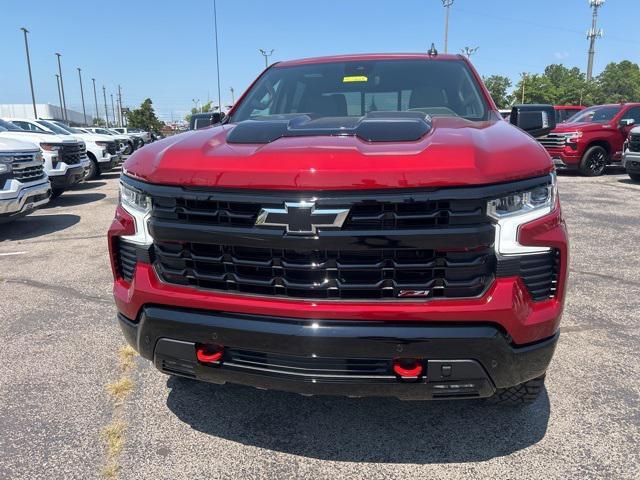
[46, 111]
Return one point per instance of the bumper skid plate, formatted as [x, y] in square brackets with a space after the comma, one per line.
[350, 358]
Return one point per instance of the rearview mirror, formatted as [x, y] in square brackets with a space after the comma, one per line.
[626, 122]
[536, 120]
[202, 120]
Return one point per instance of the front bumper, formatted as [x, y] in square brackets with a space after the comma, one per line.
[71, 176]
[631, 161]
[18, 199]
[108, 162]
[461, 361]
[565, 158]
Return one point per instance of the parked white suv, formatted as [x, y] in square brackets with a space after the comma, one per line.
[136, 132]
[101, 150]
[24, 185]
[65, 158]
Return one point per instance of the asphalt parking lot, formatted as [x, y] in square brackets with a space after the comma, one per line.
[60, 346]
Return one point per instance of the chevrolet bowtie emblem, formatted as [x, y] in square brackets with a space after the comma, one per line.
[302, 218]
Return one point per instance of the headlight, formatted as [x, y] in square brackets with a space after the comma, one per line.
[51, 147]
[513, 210]
[130, 197]
[138, 205]
[572, 137]
[102, 144]
[5, 164]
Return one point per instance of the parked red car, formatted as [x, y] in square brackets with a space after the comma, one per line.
[592, 138]
[357, 225]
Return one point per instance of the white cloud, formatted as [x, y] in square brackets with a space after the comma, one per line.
[563, 55]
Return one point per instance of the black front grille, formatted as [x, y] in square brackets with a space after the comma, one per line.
[634, 142]
[72, 154]
[126, 258]
[327, 274]
[112, 148]
[363, 215]
[26, 168]
[540, 274]
[279, 364]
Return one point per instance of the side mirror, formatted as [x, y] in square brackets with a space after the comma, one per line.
[536, 120]
[202, 120]
[626, 122]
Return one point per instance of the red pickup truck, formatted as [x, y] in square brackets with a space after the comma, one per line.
[592, 138]
[356, 225]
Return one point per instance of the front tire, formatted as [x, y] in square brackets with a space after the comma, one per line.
[94, 170]
[594, 161]
[522, 394]
[56, 192]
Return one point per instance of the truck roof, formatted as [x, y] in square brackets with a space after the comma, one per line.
[369, 56]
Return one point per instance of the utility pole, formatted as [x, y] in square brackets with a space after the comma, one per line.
[106, 112]
[215, 25]
[447, 5]
[59, 94]
[524, 79]
[468, 51]
[33, 95]
[95, 98]
[592, 34]
[113, 111]
[120, 123]
[84, 111]
[266, 56]
[64, 100]
[233, 98]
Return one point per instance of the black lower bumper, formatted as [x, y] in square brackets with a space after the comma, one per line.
[352, 358]
[70, 178]
[633, 166]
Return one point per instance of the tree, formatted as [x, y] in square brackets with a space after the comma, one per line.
[498, 86]
[207, 107]
[144, 118]
[619, 82]
[558, 85]
[99, 122]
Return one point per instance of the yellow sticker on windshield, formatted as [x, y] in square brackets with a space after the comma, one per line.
[355, 78]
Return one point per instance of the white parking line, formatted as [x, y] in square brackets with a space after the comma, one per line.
[11, 253]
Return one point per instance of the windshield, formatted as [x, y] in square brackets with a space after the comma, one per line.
[352, 89]
[595, 114]
[53, 127]
[9, 127]
[103, 131]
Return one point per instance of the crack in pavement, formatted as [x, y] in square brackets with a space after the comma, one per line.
[607, 277]
[57, 239]
[60, 289]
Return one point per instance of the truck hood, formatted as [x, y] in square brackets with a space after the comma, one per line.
[38, 138]
[455, 152]
[581, 127]
[94, 137]
[13, 145]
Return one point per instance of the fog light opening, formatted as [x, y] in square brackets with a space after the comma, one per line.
[407, 368]
[211, 354]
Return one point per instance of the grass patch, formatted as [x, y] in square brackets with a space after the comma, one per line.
[126, 355]
[120, 388]
[114, 437]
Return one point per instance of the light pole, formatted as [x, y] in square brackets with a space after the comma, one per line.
[215, 26]
[266, 56]
[64, 100]
[524, 80]
[84, 111]
[592, 34]
[106, 112]
[119, 106]
[233, 99]
[195, 104]
[59, 94]
[95, 98]
[33, 95]
[113, 111]
[447, 5]
[468, 51]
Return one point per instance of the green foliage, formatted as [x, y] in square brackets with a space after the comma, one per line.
[619, 82]
[498, 87]
[559, 85]
[144, 118]
[207, 107]
[99, 122]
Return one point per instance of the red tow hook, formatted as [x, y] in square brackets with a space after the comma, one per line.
[407, 368]
[209, 353]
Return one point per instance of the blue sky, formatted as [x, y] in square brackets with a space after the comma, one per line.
[165, 50]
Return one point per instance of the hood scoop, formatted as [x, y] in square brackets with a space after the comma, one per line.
[373, 127]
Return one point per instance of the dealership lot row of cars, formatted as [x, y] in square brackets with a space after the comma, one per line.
[40, 159]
